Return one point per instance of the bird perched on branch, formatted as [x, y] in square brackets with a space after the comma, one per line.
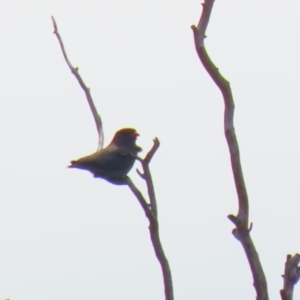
[115, 161]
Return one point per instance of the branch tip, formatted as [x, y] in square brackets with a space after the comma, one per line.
[142, 175]
[150, 154]
[250, 228]
[291, 276]
[75, 72]
[233, 219]
[194, 28]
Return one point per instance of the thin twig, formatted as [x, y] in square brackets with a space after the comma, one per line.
[241, 221]
[151, 213]
[149, 209]
[141, 199]
[291, 276]
[86, 90]
[146, 175]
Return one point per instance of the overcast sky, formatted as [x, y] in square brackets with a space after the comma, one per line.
[65, 235]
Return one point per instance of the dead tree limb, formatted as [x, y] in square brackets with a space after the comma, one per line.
[291, 276]
[241, 220]
[150, 209]
[86, 90]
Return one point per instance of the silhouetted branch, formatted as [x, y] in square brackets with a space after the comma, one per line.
[150, 210]
[224, 86]
[75, 72]
[291, 276]
[241, 221]
[146, 175]
[141, 199]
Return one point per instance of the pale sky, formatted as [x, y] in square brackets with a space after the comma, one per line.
[65, 235]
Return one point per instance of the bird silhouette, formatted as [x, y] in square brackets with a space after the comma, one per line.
[115, 161]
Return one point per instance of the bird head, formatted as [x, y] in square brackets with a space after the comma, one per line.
[126, 138]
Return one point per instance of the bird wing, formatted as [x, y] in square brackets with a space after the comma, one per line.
[108, 158]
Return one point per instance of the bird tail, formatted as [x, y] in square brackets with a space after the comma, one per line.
[74, 164]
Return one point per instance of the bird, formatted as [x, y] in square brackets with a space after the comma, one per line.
[113, 162]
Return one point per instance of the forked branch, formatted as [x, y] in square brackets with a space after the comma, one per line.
[241, 220]
[291, 276]
[150, 209]
[146, 175]
[86, 90]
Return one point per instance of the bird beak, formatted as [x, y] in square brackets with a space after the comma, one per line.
[135, 134]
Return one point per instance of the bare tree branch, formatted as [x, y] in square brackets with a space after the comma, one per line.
[150, 210]
[147, 175]
[224, 86]
[137, 193]
[291, 276]
[241, 221]
[75, 72]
